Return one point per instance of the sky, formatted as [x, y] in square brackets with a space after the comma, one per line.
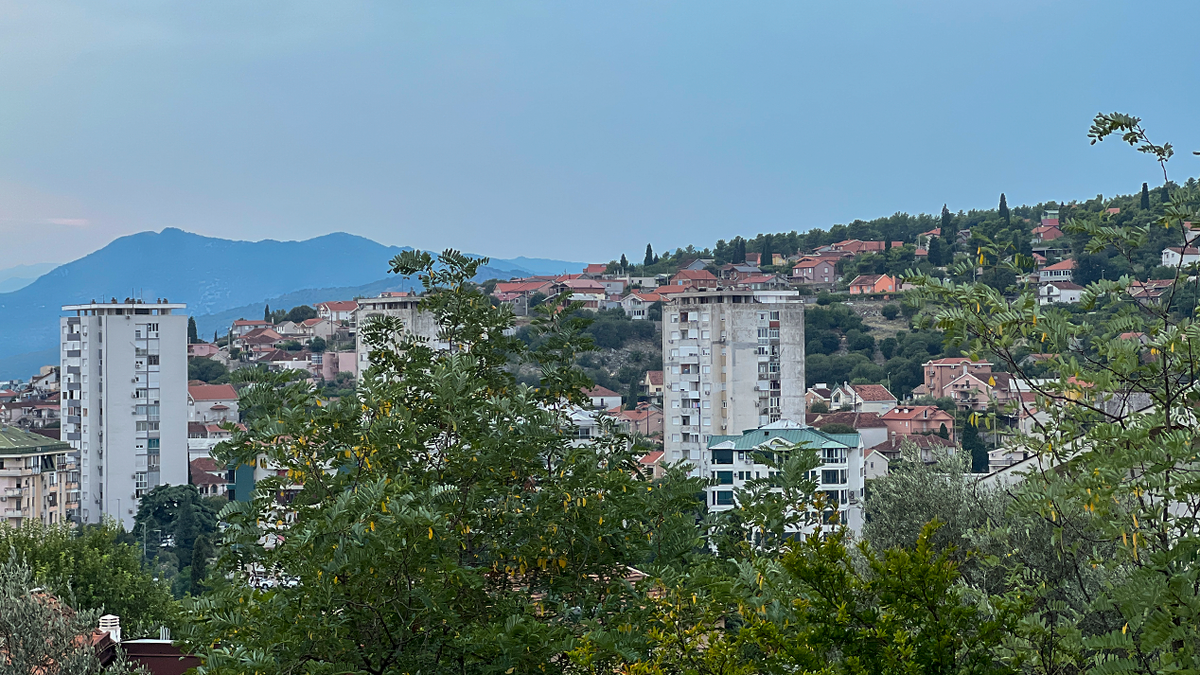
[566, 129]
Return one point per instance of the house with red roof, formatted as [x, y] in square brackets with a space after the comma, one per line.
[201, 350]
[212, 403]
[1059, 271]
[1151, 291]
[652, 465]
[244, 326]
[596, 269]
[603, 398]
[257, 338]
[636, 305]
[868, 284]
[1048, 232]
[754, 259]
[815, 271]
[977, 391]
[694, 279]
[870, 426]
[930, 447]
[763, 282]
[1180, 256]
[210, 477]
[819, 392]
[940, 372]
[918, 419]
[873, 398]
[645, 420]
[1059, 292]
[340, 312]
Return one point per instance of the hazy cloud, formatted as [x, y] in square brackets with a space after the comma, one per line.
[74, 222]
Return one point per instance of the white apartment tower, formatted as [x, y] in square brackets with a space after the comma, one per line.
[124, 402]
[731, 363]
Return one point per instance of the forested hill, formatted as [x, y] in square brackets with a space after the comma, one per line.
[1005, 224]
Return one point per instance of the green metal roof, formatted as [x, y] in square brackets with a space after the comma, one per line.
[808, 437]
[17, 441]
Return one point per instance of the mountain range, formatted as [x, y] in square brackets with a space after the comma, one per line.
[219, 279]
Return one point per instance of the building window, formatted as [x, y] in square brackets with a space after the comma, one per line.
[724, 497]
[139, 484]
[152, 359]
[724, 478]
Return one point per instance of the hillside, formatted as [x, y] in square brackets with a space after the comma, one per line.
[210, 275]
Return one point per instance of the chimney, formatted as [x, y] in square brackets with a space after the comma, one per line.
[111, 624]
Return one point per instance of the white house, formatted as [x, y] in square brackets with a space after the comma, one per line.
[1059, 292]
[212, 403]
[1180, 256]
[337, 311]
[637, 305]
[1059, 271]
[874, 398]
[603, 398]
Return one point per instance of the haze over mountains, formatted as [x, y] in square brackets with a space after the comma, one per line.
[219, 279]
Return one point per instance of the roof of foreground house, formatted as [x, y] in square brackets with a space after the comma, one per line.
[17, 441]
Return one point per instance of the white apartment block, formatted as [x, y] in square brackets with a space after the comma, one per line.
[124, 402]
[841, 474]
[731, 363]
[406, 307]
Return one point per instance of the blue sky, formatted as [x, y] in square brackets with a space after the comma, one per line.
[565, 129]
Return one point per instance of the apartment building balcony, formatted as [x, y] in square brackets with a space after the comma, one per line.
[15, 473]
[690, 428]
[13, 491]
[14, 513]
[690, 358]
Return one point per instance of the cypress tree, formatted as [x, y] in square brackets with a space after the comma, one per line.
[1004, 208]
[624, 262]
[193, 338]
[947, 220]
[935, 252]
[649, 255]
[1145, 196]
[267, 313]
[1166, 196]
[942, 432]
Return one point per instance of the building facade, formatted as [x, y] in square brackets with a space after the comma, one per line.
[38, 483]
[731, 363]
[124, 402]
[406, 307]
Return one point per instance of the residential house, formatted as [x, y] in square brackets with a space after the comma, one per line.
[939, 374]
[870, 426]
[867, 284]
[1149, 292]
[613, 286]
[820, 392]
[244, 326]
[924, 238]
[603, 398]
[858, 247]
[815, 271]
[318, 327]
[258, 340]
[694, 279]
[763, 282]
[202, 437]
[652, 465]
[1059, 271]
[210, 477]
[589, 292]
[918, 419]
[595, 270]
[645, 420]
[45, 383]
[1180, 256]
[340, 312]
[1059, 292]
[930, 447]
[737, 271]
[865, 398]
[334, 363]
[636, 305]
[289, 329]
[652, 385]
[202, 350]
[754, 259]
[697, 264]
[978, 391]
[212, 403]
[32, 413]
[1046, 233]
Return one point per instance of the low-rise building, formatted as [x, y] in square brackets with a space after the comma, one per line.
[1180, 256]
[340, 312]
[645, 420]
[867, 284]
[940, 372]
[1063, 292]
[817, 271]
[918, 419]
[212, 403]
[243, 326]
[637, 305]
[652, 385]
[603, 398]
[870, 426]
[210, 477]
[733, 460]
[865, 398]
[694, 279]
[1059, 271]
[819, 392]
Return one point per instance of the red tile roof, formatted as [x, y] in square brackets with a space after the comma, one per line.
[1065, 286]
[913, 412]
[656, 377]
[954, 361]
[339, 305]
[595, 268]
[598, 391]
[858, 420]
[1063, 265]
[312, 322]
[695, 275]
[208, 464]
[251, 322]
[651, 458]
[212, 392]
[645, 297]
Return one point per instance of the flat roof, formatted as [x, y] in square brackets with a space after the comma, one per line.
[17, 441]
[125, 305]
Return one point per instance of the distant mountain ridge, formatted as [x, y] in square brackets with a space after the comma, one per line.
[211, 275]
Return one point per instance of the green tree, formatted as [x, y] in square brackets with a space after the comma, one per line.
[192, 336]
[649, 256]
[39, 634]
[1003, 210]
[176, 515]
[1145, 203]
[936, 252]
[90, 568]
[947, 221]
[267, 313]
[444, 521]
[890, 311]
[207, 370]
[624, 262]
[317, 345]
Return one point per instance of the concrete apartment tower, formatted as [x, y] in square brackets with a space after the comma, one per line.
[733, 360]
[124, 402]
